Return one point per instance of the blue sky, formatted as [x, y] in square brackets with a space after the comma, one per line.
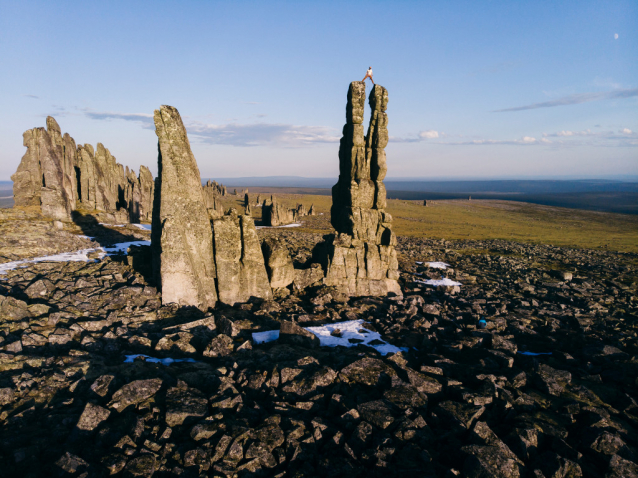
[487, 89]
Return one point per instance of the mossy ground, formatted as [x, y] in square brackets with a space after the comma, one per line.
[486, 219]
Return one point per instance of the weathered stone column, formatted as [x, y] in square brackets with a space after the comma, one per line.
[181, 239]
[362, 257]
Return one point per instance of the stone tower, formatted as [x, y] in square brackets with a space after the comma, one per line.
[362, 257]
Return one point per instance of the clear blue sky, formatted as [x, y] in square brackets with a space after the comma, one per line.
[477, 89]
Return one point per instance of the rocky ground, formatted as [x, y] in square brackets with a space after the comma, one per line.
[461, 401]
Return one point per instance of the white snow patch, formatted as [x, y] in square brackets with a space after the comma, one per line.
[277, 227]
[112, 225]
[265, 337]
[75, 256]
[121, 247]
[145, 227]
[434, 265]
[351, 329]
[164, 361]
[445, 281]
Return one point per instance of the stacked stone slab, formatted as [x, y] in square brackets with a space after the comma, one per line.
[196, 260]
[59, 177]
[361, 257]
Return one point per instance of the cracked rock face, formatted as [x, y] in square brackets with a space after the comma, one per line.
[60, 177]
[181, 239]
[199, 256]
[241, 270]
[45, 175]
[362, 258]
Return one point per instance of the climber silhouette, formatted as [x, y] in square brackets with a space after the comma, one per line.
[368, 75]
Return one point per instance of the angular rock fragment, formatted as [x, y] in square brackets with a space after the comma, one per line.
[183, 403]
[291, 333]
[92, 416]
[134, 393]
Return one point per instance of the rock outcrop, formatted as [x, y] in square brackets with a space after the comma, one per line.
[216, 187]
[241, 271]
[276, 214]
[59, 177]
[361, 257]
[278, 263]
[212, 201]
[181, 239]
[200, 255]
[45, 176]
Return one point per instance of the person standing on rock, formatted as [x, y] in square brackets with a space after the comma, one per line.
[368, 75]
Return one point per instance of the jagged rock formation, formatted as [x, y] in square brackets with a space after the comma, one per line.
[276, 214]
[278, 263]
[425, 202]
[215, 188]
[196, 264]
[213, 202]
[45, 176]
[311, 211]
[60, 178]
[361, 257]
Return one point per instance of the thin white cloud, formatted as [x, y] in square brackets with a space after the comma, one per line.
[145, 119]
[261, 134]
[576, 99]
[257, 134]
[32, 96]
[430, 134]
[626, 131]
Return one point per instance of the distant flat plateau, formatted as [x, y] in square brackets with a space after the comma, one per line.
[593, 195]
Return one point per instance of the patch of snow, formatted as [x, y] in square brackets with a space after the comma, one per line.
[434, 265]
[351, 329]
[265, 337]
[75, 256]
[146, 227]
[164, 361]
[121, 247]
[435, 282]
[277, 227]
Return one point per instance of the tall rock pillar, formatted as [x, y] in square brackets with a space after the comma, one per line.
[362, 257]
[182, 239]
